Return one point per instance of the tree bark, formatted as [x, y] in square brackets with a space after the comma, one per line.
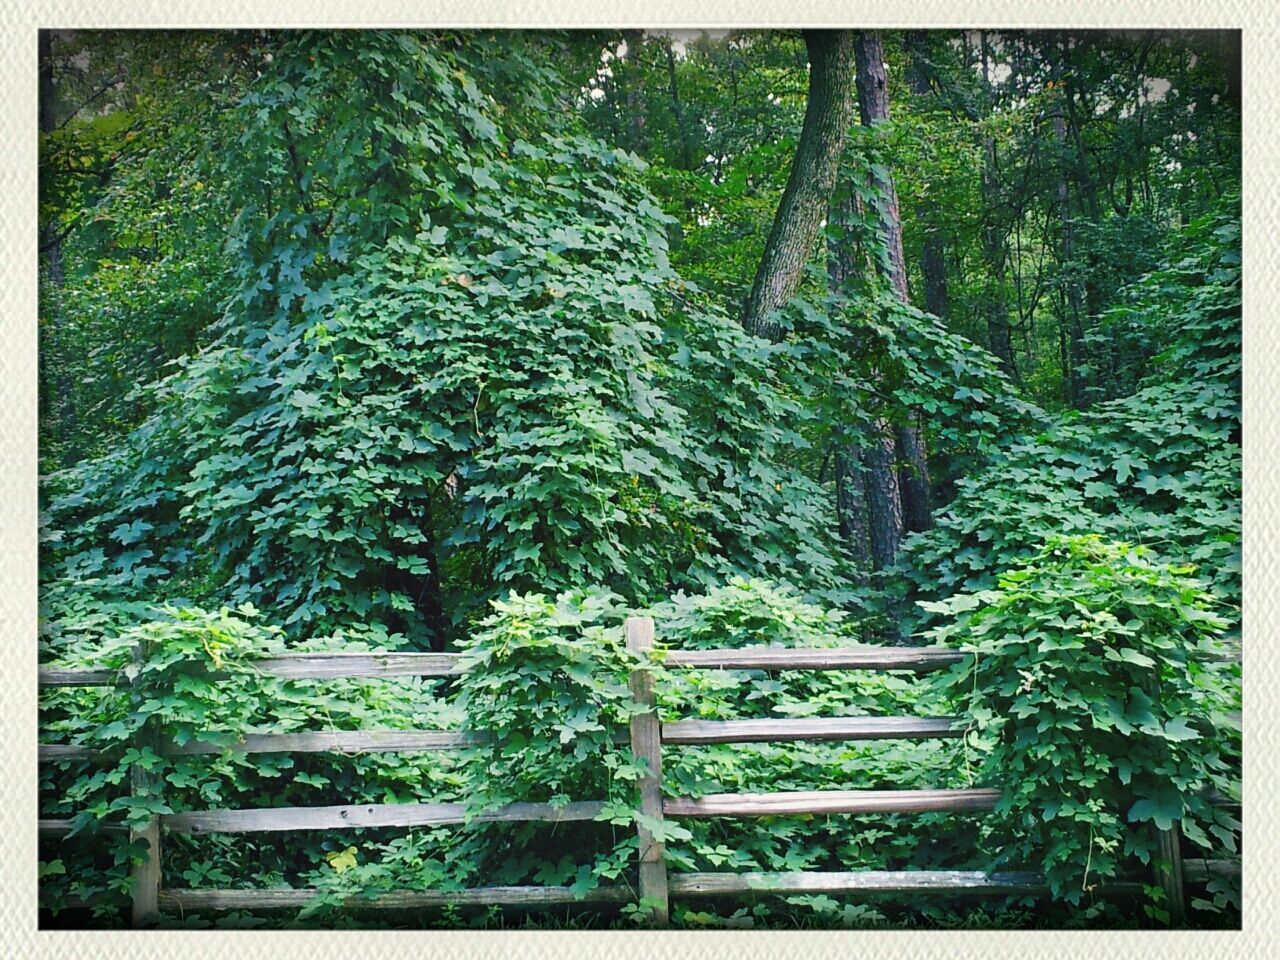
[884, 498]
[994, 307]
[51, 243]
[852, 462]
[933, 263]
[873, 106]
[1073, 304]
[677, 109]
[811, 182]
[851, 507]
[633, 98]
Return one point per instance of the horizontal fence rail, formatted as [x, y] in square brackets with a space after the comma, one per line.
[296, 898]
[329, 666]
[817, 802]
[856, 881]
[421, 741]
[832, 728]
[346, 816]
[914, 659]
[293, 666]
[647, 736]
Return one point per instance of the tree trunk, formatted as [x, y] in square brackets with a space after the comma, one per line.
[633, 78]
[811, 182]
[873, 105]
[884, 497]
[677, 109]
[851, 507]
[852, 462]
[933, 261]
[1072, 318]
[50, 243]
[994, 308]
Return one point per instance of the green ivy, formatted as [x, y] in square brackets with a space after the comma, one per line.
[1160, 467]
[1099, 702]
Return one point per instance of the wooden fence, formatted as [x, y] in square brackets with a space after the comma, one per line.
[647, 738]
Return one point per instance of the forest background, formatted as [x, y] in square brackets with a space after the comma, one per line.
[819, 334]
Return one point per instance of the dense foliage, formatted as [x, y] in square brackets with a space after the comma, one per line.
[1160, 466]
[1099, 696]
[431, 341]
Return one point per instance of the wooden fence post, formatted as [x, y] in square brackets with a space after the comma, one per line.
[146, 875]
[1169, 874]
[646, 745]
[1169, 852]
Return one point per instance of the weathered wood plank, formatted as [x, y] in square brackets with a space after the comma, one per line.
[60, 827]
[831, 802]
[58, 677]
[146, 875]
[318, 741]
[306, 741]
[1199, 870]
[339, 741]
[345, 817]
[646, 746]
[809, 728]
[54, 752]
[294, 666]
[143, 784]
[321, 666]
[863, 657]
[293, 899]
[856, 881]
[1169, 873]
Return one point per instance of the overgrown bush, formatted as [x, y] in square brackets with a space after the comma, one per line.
[1161, 467]
[1098, 701]
[173, 692]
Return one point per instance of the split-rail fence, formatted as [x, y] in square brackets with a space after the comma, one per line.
[648, 737]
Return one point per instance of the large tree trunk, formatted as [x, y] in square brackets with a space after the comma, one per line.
[853, 463]
[811, 182]
[873, 105]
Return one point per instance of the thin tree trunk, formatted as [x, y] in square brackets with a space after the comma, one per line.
[873, 105]
[677, 108]
[1072, 319]
[50, 242]
[933, 261]
[811, 182]
[995, 309]
[634, 90]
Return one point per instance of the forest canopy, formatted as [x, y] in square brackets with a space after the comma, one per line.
[481, 342]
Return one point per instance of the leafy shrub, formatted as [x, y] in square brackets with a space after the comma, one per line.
[170, 691]
[1160, 467]
[1096, 701]
[758, 613]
